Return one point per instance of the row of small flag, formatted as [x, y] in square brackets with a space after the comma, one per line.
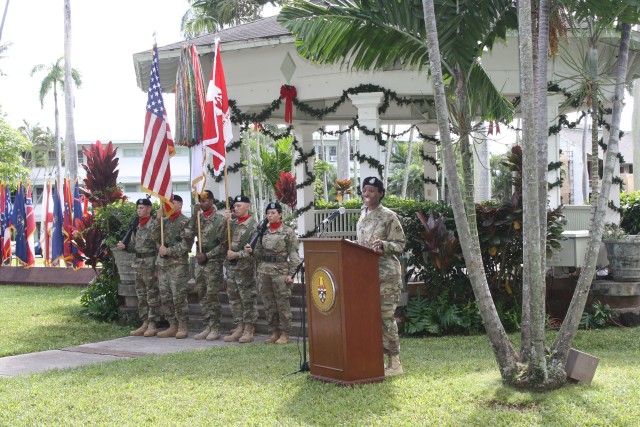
[18, 223]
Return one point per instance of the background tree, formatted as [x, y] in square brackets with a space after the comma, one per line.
[53, 78]
[12, 145]
[4, 17]
[210, 16]
[42, 141]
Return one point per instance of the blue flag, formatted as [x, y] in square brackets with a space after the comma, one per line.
[57, 237]
[5, 218]
[19, 223]
[77, 215]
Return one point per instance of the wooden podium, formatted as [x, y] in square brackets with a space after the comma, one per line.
[343, 305]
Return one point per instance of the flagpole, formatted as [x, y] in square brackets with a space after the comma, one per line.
[199, 233]
[226, 197]
[161, 223]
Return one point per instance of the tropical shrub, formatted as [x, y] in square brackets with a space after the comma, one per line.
[100, 298]
[630, 216]
[598, 316]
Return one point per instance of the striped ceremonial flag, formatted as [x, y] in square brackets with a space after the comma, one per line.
[19, 224]
[46, 224]
[218, 132]
[158, 143]
[30, 229]
[5, 223]
[57, 236]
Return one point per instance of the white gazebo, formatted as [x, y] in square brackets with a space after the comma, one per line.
[260, 57]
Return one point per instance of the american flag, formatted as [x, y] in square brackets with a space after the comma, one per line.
[46, 224]
[5, 226]
[158, 143]
[217, 118]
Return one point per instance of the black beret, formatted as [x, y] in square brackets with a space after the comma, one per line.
[144, 202]
[242, 198]
[274, 205]
[177, 198]
[207, 194]
[372, 180]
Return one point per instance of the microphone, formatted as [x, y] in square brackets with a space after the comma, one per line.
[333, 215]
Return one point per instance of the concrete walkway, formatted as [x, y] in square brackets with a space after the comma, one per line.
[105, 351]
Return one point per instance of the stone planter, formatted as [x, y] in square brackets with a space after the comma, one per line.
[128, 310]
[624, 259]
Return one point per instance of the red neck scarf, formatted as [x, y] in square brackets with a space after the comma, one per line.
[243, 219]
[273, 227]
[208, 213]
[144, 221]
[175, 215]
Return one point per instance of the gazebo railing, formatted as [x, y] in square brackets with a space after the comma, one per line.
[577, 217]
[344, 226]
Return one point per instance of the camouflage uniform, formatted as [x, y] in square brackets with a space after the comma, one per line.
[241, 274]
[143, 244]
[277, 256]
[173, 269]
[209, 279]
[383, 224]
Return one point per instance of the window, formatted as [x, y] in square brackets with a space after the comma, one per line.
[132, 188]
[131, 152]
[181, 186]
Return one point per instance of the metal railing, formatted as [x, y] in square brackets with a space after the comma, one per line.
[344, 226]
[577, 217]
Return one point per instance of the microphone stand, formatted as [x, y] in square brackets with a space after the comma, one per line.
[304, 365]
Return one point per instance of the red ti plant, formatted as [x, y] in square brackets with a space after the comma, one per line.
[440, 244]
[286, 189]
[101, 183]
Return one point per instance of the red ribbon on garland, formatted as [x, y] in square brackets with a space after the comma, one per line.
[288, 93]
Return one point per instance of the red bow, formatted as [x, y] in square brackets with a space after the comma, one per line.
[288, 93]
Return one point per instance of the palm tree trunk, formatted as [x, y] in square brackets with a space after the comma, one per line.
[70, 136]
[4, 17]
[504, 351]
[252, 189]
[343, 154]
[58, 142]
[569, 327]
[532, 282]
[387, 158]
[405, 178]
[325, 189]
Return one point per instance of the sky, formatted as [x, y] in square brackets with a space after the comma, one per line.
[105, 35]
[109, 105]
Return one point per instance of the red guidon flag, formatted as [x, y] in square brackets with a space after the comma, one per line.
[158, 143]
[217, 119]
[30, 229]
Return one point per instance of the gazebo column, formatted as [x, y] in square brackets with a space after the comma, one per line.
[553, 155]
[481, 166]
[429, 149]
[614, 193]
[367, 105]
[303, 133]
[234, 178]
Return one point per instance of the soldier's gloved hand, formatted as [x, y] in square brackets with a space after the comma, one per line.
[232, 255]
[120, 245]
[289, 280]
[162, 250]
[196, 208]
[247, 248]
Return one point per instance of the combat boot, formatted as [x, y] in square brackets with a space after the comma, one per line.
[284, 338]
[183, 332]
[169, 333]
[273, 338]
[152, 330]
[214, 334]
[394, 368]
[235, 334]
[247, 336]
[141, 330]
[202, 335]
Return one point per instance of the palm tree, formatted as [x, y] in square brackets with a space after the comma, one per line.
[55, 77]
[42, 141]
[209, 16]
[4, 17]
[70, 135]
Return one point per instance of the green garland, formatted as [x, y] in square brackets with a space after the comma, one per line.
[554, 165]
[613, 207]
[374, 163]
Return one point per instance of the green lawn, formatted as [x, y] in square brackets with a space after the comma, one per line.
[450, 381]
[45, 318]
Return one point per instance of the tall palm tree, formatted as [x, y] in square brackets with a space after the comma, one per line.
[70, 135]
[4, 17]
[53, 78]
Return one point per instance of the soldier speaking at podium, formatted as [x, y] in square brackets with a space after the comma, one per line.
[379, 229]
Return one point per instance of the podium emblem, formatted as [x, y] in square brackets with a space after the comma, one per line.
[323, 290]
